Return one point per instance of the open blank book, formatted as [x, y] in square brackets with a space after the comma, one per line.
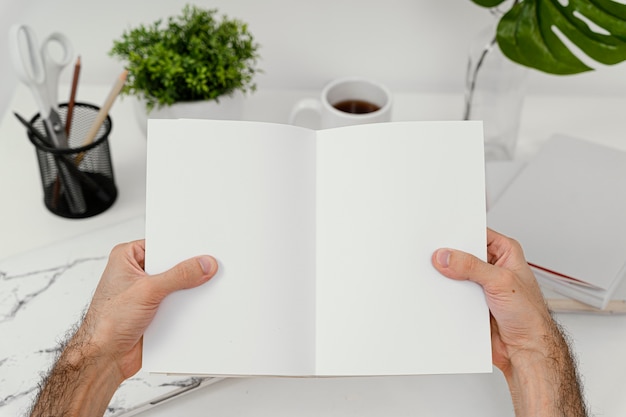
[324, 242]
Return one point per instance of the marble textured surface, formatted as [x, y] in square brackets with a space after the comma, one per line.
[43, 294]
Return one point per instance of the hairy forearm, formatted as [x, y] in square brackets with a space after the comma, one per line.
[545, 382]
[81, 383]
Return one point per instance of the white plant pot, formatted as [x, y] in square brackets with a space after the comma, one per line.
[228, 108]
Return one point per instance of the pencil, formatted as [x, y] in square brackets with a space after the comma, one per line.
[104, 110]
[102, 114]
[70, 105]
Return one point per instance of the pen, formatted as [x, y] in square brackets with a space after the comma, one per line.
[70, 105]
[57, 182]
[33, 131]
[73, 192]
[66, 163]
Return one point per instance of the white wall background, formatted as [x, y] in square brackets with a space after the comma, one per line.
[411, 45]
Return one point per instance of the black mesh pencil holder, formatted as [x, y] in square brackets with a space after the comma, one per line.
[77, 181]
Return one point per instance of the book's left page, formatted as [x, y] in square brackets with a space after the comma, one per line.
[260, 305]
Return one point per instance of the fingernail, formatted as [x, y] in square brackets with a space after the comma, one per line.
[207, 264]
[443, 257]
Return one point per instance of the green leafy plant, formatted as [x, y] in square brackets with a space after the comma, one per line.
[194, 56]
[526, 33]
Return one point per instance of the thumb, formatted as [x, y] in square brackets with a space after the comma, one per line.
[187, 274]
[463, 266]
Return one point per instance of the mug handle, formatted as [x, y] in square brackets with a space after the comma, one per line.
[311, 105]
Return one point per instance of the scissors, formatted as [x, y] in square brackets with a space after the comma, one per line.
[39, 70]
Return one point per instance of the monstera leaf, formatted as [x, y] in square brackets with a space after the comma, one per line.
[526, 33]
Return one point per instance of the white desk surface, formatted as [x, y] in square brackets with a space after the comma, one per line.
[599, 341]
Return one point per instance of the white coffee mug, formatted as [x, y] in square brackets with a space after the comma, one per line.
[345, 102]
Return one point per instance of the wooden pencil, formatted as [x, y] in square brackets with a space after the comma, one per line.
[72, 101]
[106, 107]
[102, 114]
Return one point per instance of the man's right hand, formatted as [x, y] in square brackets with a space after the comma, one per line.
[528, 346]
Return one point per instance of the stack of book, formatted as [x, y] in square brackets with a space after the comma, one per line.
[567, 208]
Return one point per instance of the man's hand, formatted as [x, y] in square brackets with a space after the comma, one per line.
[106, 348]
[528, 346]
[127, 299]
[520, 316]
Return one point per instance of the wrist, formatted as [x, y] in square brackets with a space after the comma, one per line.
[543, 379]
[82, 381]
[533, 388]
[86, 354]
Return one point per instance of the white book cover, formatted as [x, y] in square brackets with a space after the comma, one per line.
[324, 241]
[566, 208]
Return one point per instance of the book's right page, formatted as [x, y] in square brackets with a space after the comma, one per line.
[389, 195]
[567, 210]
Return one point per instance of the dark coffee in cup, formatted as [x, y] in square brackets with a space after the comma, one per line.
[356, 106]
[345, 102]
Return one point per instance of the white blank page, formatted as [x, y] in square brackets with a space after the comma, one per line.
[244, 194]
[388, 196]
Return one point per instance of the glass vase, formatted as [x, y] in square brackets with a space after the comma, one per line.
[495, 88]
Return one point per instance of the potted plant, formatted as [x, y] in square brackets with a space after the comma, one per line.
[194, 57]
[528, 34]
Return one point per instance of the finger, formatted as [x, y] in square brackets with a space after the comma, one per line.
[139, 250]
[492, 234]
[187, 274]
[504, 251]
[463, 266]
[129, 254]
